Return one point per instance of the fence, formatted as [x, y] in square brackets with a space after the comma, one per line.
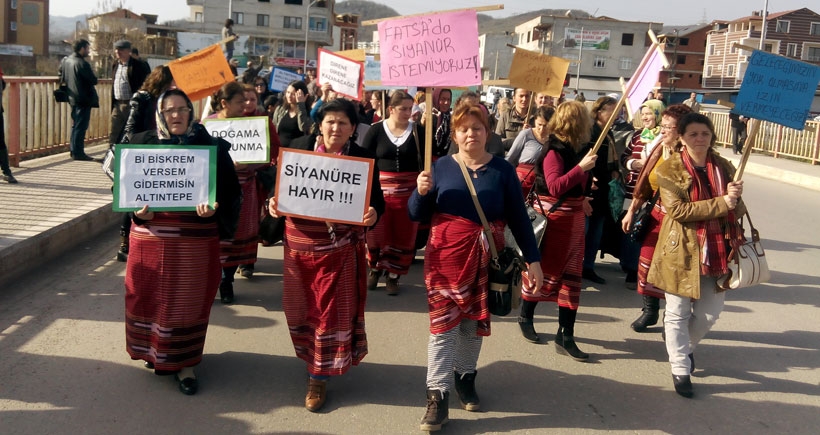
[38, 126]
[774, 139]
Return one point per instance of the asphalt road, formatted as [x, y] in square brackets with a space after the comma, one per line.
[64, 369]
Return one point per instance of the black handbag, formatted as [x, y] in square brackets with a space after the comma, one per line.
[505, 267]
[61, 94]
[640, 220]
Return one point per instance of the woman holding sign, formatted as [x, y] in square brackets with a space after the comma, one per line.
[696, 236]
[399, 156]
[325, 273]
[292, 118]
[173, 268]
[457, 257]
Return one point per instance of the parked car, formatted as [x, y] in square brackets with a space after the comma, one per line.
[488, 97]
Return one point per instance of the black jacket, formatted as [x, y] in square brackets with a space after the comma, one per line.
[142, 116]
[137, 71]
[76, 73]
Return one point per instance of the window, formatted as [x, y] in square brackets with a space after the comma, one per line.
[291, 49]
[293, 2]
[814, 29]
[782, 26]
[681, 59]
[791, 50]
[198, 18]
[625, 63]
[13, 26]
[627, 39]
[600, 62]
[767, 48]
[732, 49]
[293, 22]
[684, 41]
[813, 54]
[263, 20]
[709, 71]
[13, 4]
[238, 17]
[711, 49]
[318, 24]
[264, 1]
[730, 70]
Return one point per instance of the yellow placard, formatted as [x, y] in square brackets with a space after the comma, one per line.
[538, 72]
[202, 72]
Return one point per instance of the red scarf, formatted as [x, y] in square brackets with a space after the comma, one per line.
[713, 233]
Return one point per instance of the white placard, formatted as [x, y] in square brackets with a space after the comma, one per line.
[249, 137]
[323, 186]
[343, 74]
[175, 178]
[280, 78]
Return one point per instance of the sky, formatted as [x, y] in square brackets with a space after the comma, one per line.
[678, 12]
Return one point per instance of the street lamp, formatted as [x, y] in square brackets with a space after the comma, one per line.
[307, 29]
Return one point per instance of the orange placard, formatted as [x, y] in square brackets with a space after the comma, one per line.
[202, 72]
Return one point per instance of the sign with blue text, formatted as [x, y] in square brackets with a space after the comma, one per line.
[164, 177]
[280, 78]
[322, 186]
[249, 137]
[777, 89]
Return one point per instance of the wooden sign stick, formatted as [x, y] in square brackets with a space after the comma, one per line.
[428, 129]
[747, 148]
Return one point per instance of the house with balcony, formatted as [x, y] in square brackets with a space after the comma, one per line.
[794, 34]
[345, 32]
[286, 32]
[105, 29]
[685, 49]
[602, 49]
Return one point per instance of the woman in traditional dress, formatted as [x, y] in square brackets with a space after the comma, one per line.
[172, 272]
[376, 112]
[699, 230]
[325, 273]
[397, 144]
[442, 99]
[292, 117]
[528, 146]
[457, 257]
[633, 160]
[561, 181]
[646, 187]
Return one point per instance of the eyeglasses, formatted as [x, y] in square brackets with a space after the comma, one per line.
[176, 111]
[668, 127]
[260, 85]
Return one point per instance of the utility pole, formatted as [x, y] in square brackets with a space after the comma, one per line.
[763, 30]
[580, 54]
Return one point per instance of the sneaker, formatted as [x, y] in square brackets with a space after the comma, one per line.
[246, 271]
[316, 395]
[9, 178]
[437, 413]
[465, 387]
[373, 279]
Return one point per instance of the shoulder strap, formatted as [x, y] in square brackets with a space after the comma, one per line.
[487, 231]
[419, 156]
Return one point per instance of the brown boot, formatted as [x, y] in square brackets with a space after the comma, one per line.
[392, 286]
[373, 279]
[438, 411]
[316, 395]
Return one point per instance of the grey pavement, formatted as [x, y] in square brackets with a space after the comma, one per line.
[65, 369]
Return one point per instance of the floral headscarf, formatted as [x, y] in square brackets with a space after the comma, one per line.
[163, 132]
[657, 106]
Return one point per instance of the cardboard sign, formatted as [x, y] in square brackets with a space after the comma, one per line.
[249, 137]
[439, 50]
[777, 89]
[344, 75]
[323, 187]
[538, 72]
[201, 73]
[165, 178]
[355, 54]
[280, 78]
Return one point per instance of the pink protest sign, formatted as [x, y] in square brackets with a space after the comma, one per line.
[431, 50]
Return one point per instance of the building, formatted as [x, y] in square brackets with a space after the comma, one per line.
[278, 30]
[607, 48]
[494, 56]
[160, 45]
[107, 28]
[794, 34]
[23, 34]
[345, 32]
[684, 48]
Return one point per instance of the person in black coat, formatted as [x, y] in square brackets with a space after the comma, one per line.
[76, 73]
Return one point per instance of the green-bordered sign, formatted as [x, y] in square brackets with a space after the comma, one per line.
[249, 137]
[163, 177]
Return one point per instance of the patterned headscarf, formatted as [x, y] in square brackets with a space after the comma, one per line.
[657, 107]
[162, 126]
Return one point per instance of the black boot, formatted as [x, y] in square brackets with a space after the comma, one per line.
[5, 167]
[465, 387]
[122, 254]
[437, 413]
[525, 321]
[649, 316]
[226, 291]
[565, 345]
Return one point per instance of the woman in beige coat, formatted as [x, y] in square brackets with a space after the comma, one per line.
[700, 228]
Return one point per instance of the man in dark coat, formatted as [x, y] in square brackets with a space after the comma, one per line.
[80, 80]
[127, 75]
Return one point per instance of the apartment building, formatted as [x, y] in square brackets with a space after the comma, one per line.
[24, 28]
[685, 49]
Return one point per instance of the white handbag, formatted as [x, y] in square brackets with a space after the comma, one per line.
[747, 264]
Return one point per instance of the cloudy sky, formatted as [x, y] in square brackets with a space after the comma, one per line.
[679, 12]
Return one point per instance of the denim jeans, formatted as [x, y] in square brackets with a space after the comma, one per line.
[81, 116]
[594, 230]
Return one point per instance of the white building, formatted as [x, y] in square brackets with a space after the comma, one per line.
[279, 30]
[608, 48]
[494, 56]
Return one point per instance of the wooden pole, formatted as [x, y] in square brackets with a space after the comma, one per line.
[428, 129]
[477, 9]
[747, 149]
[529, 108]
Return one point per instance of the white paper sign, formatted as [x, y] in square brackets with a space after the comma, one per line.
[280, 78]
[176, 178]
[343, 74]
[249, 137]
[323, 186]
